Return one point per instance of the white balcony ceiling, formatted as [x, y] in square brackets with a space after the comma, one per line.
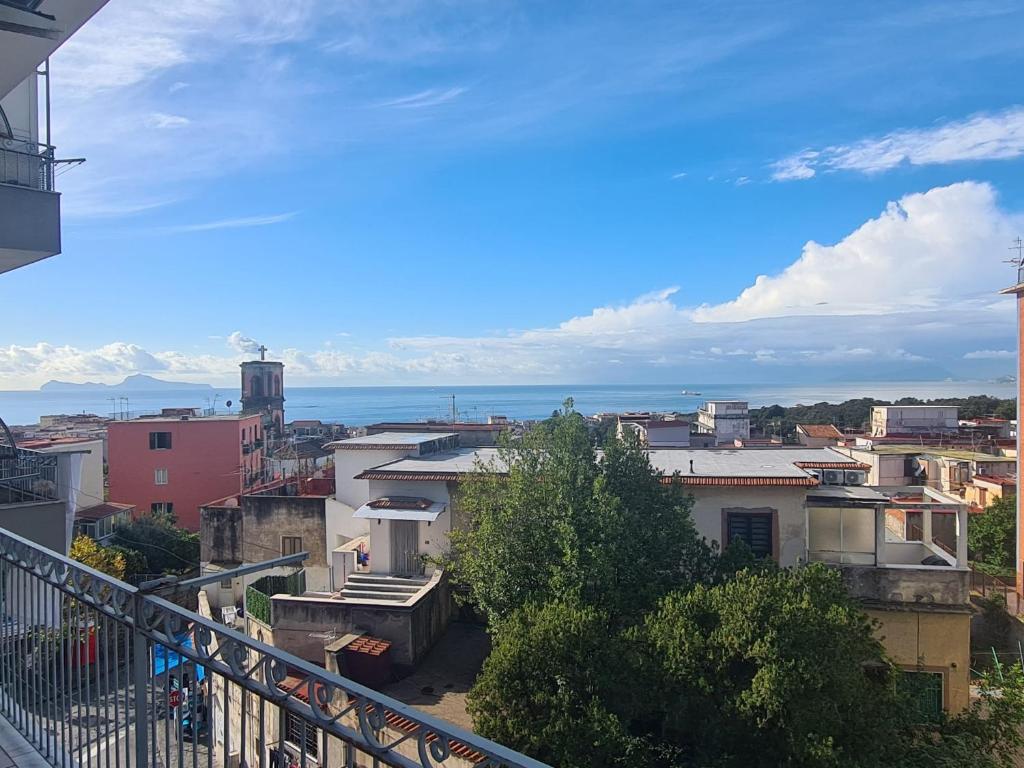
[26, 38]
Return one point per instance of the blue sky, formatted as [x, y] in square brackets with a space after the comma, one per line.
[482, 191]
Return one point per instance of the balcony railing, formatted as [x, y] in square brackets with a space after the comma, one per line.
[28, 476]
[96, 672]
[26, 164]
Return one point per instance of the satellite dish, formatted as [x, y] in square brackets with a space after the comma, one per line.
[228, 403]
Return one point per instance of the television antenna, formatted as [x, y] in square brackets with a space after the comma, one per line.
[328, 637]
[1018, 260]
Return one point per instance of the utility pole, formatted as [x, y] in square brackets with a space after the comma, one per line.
[454, 412]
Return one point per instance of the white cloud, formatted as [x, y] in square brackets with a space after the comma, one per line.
[794, 167]
[236, 223]
[992, 136]
[243, 344]
[912, 293]
[162, 120]
[680, 175]
[991, 354]
[429, 98]
[922, 251]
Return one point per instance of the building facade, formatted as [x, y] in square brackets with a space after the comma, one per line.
[176, 465]
[1018, 291]
[727, 420]
[263, 394]
[887, 420]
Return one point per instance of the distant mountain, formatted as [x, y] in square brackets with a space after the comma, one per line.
[139, 382]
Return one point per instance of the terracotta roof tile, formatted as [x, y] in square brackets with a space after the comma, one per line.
[798, 482]
[822, 431]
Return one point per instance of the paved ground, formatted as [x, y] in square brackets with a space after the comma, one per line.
[440, 685]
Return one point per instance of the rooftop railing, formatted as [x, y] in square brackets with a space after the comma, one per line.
[95, 672]
[28, 476]
[27, 164]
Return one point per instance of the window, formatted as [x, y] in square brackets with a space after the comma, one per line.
[923, 691]
[298, 731]
[160, 476]
[162, 507]
[225, 583]
[752, 528]
[290, 545]
[159, 441]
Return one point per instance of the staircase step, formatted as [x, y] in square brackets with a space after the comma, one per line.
[394, 589]
[363, 594]
[380, 578]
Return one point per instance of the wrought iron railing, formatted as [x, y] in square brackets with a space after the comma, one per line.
[27, 476]
[26, 164]
[96, 672]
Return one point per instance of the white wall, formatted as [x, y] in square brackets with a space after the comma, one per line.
[90, 486]
[22, 109]
[709, 501]
[433, 538]
[340, 522]
[348, 464]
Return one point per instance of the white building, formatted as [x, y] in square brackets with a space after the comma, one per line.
[887, 420]
[727, 420]
[657, 433]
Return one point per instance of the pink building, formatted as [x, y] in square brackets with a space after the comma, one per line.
[177, 464]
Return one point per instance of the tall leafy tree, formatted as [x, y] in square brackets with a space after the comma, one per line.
[992, 534]
[552, 519]
[165, 547]
[773, 667]
[547, 685]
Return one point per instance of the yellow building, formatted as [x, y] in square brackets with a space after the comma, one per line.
[984, 489]
[913, 585]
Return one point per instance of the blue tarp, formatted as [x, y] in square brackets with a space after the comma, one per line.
[165, 659]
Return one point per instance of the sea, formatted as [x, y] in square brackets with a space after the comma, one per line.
[355, 406]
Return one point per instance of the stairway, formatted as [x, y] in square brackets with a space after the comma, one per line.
[373, 586]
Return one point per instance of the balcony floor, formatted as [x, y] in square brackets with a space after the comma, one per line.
[15, 751]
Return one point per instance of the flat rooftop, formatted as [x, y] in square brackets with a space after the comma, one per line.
[178, 419]
[729, 464]
[406, 440]
[887, 449]
[749, 462]
[438, 466]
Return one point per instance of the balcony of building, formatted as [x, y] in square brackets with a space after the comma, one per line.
[894, 545]
[29, 204]
[94, 671]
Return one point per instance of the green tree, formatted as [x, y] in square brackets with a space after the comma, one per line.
[104, 559]
[773, 667]
[546, 685]
[165, 547]
[549, 521]
[991, 535]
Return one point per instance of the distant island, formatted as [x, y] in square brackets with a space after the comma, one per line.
[136, 383]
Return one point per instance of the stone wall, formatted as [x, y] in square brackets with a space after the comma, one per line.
[269, 518]
[412, 630]
[911, 585]
[220, 534]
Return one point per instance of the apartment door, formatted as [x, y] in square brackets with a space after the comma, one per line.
[405, 536]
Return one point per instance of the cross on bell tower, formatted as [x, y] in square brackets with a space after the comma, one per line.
[262, 349]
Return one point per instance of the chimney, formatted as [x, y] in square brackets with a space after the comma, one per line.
[691, 466]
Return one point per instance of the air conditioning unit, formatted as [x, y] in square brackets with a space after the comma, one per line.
[855, 477]
[832, 477]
